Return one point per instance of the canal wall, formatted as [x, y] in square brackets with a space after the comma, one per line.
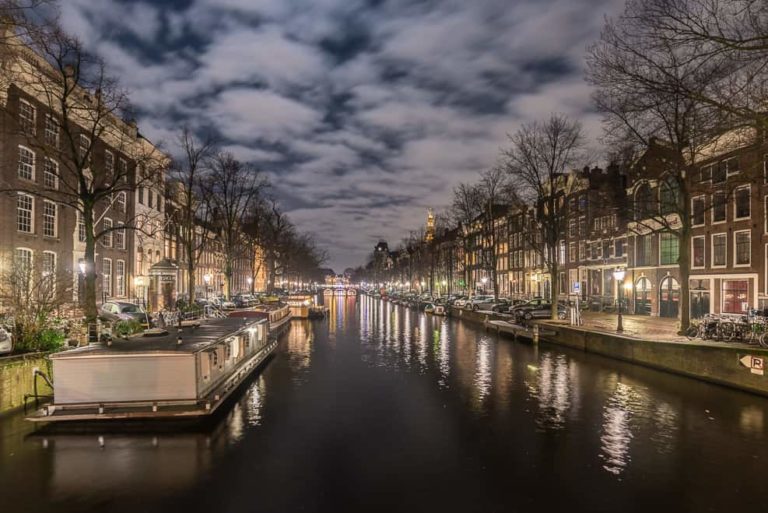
[722, 363]
[17, 379]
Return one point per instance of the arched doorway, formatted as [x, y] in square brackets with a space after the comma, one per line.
[643, 296]
[669, 297]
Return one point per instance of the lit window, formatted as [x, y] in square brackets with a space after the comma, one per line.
[50, 174]
[24, 208]
[80, 227]
[120, 278]
[106, 273]
[49, 219]
[669, 249]
[26, 163]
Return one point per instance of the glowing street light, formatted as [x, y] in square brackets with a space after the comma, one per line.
[618, 275]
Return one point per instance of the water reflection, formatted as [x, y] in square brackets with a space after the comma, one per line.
[483, 376]
[444, 355]
[616, 435]
[551, 384]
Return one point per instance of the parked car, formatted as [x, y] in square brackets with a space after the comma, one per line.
[479, 303]
[123, 311]
[6, 341]
[541, 311]
[531, 302]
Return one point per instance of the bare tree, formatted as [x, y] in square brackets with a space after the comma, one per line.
[186, 181]
[277, 233]
[538, 160]
[650, 89]
[231, 189]
[85, 108]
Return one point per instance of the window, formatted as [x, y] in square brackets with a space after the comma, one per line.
[697, 250]
[109, 163]
[697, 210]
[643, 249]
[24, 208]
[49, 219]
[735, 294]
[572, 228]
[669, 249]
[582, 250]
[26, 163]
[731, 166]
[27, 117]
[668, 197]
[49, 263]
[705, 173]
[84, 150]
[120, 278]
[120, 201]
[718, 207]
[741, 203]
[643, 202]
[141, 195]
[106, 273]
[120, 237]
[718, 172]
[619, 251]
[80, 227]
[719, 250]
[572, 252]
[607, 248]
[23, 259]
[51, 131]
[743, 243]
[50, 174]
[106, 239]
[122, 170]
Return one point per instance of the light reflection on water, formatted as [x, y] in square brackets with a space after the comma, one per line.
[516, 406]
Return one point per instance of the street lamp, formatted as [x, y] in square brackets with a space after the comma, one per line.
[484, 280]
[250, 282]
[445, 285]
[618, 275]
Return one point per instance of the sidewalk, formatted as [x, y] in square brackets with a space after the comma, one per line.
[639, 326]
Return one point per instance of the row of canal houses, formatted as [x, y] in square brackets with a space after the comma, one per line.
[605, 229]
[142, 265]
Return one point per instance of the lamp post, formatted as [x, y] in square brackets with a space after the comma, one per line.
[250, 284]
[484, 280]
[445, 287]
[618, 275]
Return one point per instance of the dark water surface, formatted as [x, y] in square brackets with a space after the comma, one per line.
[380, 408]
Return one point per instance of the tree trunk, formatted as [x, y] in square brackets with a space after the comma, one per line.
[684, 263]
[190, 275]
[89, 303]
[554, 289]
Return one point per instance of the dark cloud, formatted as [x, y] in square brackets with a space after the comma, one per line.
[364, 112]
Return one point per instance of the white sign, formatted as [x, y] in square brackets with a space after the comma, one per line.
[576, 286]
[755, 364]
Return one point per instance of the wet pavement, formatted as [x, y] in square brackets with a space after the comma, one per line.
[381, 408]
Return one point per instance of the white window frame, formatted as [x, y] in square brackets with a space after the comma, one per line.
[46, 173]
[55, 221]
[728, 172]
[51, 135]
[106, 239]
[85, 150]
[702, 197]
[712, 250]
[735, 203]
[32, 166]
[25, 123]
[81, 235]
[121, 234]
[121, 201]
[736, 253]
[109, 169]
[31, 213]
[52, 272]
[29, 251]
[119, 279]
[712, 217]
[106, 277]
[703, 237]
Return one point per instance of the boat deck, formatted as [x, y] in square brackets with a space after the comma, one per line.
[193, 340]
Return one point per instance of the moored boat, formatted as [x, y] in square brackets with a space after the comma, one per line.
[182, 373]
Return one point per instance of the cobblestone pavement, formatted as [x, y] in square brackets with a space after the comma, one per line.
[641, 326]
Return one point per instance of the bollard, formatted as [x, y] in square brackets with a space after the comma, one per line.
[535, 333]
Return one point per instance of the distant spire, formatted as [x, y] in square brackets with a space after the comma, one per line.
[429, 236]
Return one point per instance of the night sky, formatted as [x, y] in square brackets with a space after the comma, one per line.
[364, 113]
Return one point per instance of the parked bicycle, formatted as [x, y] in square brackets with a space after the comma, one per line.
[748, 329]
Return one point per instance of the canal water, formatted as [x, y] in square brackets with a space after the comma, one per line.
[381, 408]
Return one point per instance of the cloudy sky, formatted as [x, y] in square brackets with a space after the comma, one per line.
[365, 112]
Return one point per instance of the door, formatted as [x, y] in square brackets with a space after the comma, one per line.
[643, 296]
[669, 297]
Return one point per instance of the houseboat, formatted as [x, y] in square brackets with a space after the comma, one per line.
[277, 316]
[183, 373]
[300, 305]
